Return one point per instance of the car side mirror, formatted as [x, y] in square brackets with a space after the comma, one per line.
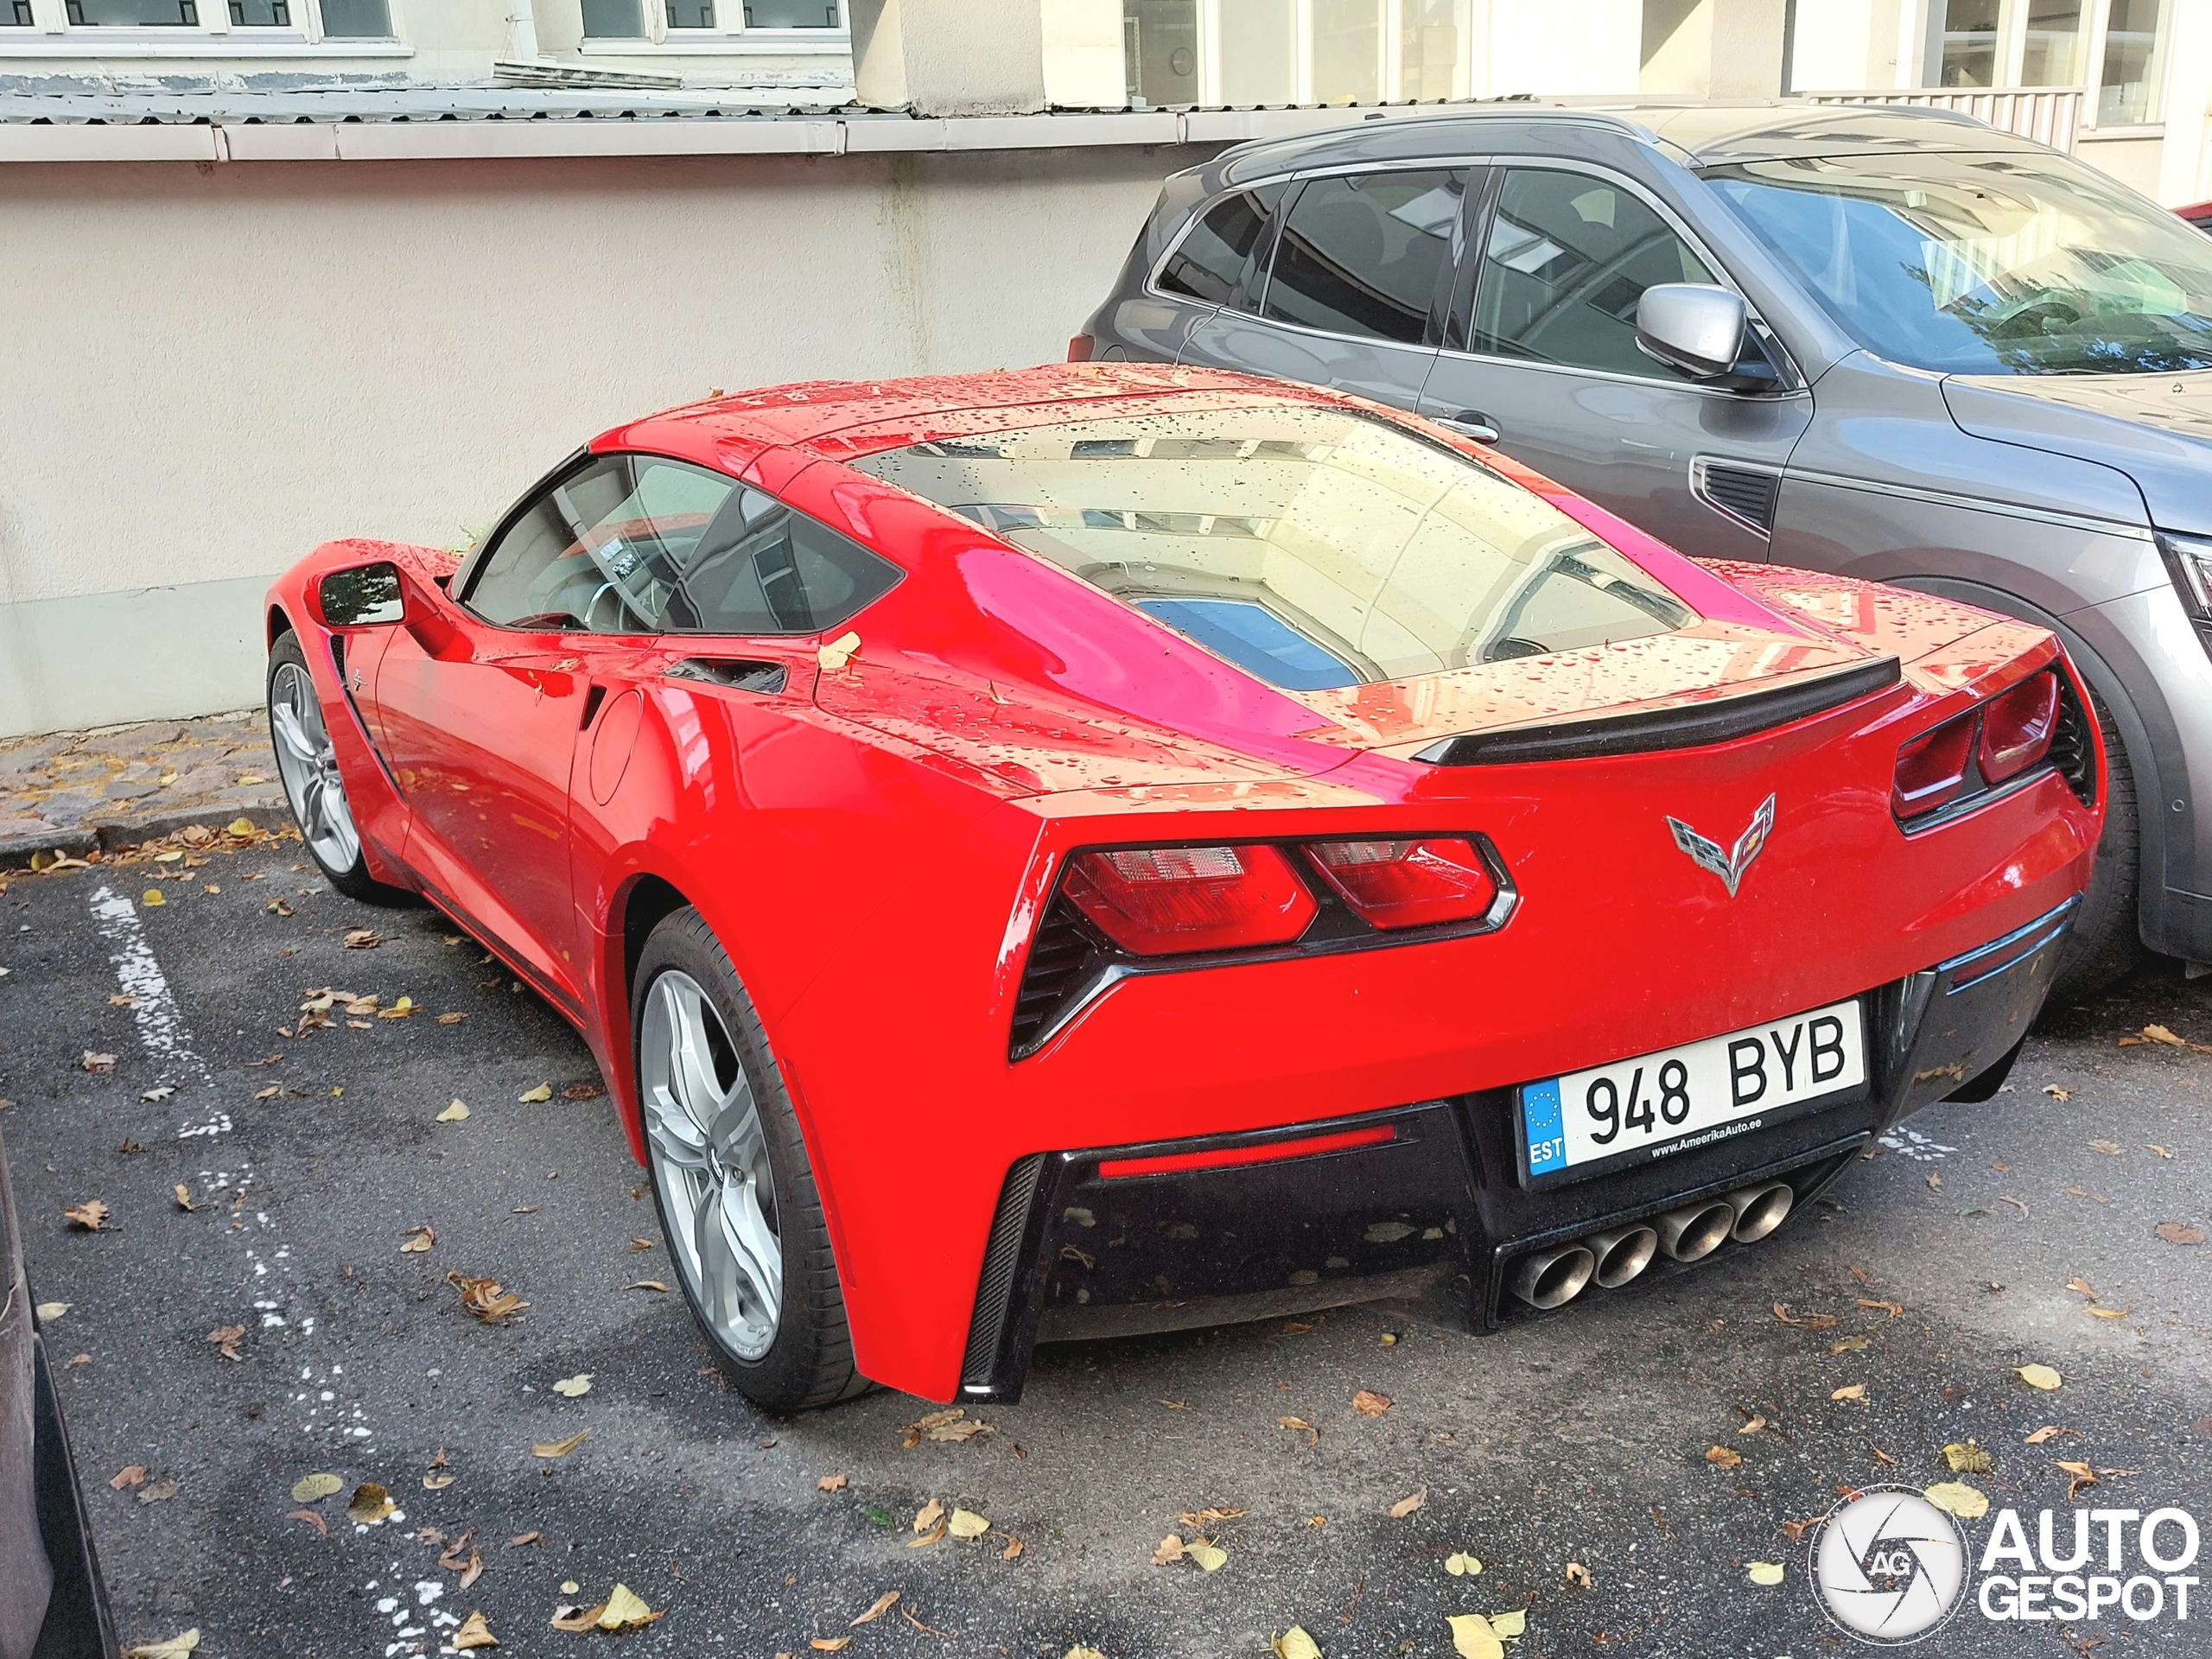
[1692, 326]
[368, 595]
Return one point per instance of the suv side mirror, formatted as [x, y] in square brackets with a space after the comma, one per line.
[365, 596]
[1692, 326]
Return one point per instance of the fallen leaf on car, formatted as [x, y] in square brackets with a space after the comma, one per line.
[1461, 1565]
[1405, 1506]
[647, 1284]
[127, 1477]
[1370, 1405]
[1294, 1643]
[2175, 1232]
[1853, 1391]
[1959, 1498]
[2039, 1376]
[454, 1113]
[1722, 1457]
[966, 1523]
[1967, 1459]
[474, 1633]
[543, 1091]
[1764, 1571]
[179, 1646]
[569, 1387]
[418, 1240]
[226, 1338]
[369, 1506]
[1299, 1426]
[310, 1518]
[882, 1604]
[313, 1489]
[2110, 1148]
[1579, 1576]
[90, 1216]
[560, 1448]
[485, 1298]
[830, 1483]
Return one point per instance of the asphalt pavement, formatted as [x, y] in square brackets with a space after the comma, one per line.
[1583, 1441]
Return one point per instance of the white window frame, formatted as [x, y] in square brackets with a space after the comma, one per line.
[52, 35]
[725, 39]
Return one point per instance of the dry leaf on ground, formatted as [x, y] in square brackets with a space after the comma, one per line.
[1405, 1506]
[560, 1448]
[1959, 1498]
[1367, 1404]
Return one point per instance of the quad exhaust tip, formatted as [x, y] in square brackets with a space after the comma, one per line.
[1759, 1211]
[1553, 1278]
[1621, 1254]
[1695, 1232]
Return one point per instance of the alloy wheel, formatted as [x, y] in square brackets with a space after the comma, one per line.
[710, 1161]
[309, 765]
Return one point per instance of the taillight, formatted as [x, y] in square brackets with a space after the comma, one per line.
[1932, 769]
[1160, 900]
[2017, 728]
[1408, 883]
[1080, 349]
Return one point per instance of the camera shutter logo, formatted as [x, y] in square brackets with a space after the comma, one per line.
[1889, 1566]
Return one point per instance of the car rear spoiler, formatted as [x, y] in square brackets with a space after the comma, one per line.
[1692, 726]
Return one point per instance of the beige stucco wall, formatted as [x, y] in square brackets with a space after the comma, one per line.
[212, 368]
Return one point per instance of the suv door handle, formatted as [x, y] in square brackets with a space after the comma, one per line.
[1473, 424]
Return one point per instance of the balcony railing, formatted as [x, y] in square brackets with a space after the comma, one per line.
[2049, 114]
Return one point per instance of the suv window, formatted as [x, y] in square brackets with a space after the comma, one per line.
[1362, 254]
[1567, 259]
[600, 550]
[1211, 261]
[765, 568]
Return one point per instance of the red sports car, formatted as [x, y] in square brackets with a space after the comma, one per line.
[1111, 848]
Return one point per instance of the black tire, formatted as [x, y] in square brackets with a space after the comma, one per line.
[354, 879]
[2106, 943]
[809, 1362]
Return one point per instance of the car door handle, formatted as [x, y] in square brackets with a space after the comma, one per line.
[1473, 422]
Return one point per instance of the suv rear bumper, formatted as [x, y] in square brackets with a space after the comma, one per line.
[1429, 1195]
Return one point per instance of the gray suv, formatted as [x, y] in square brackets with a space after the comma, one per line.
[1892, 343]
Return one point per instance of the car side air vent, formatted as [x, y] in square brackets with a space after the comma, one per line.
[766, 678]
[1736, 493]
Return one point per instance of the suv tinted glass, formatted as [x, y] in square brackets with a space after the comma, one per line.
[1568, 257]
[600, 550]
[1210, 263]
[1362, 254]
[1311, 547]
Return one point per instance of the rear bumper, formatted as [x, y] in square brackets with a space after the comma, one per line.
[1082, 1246]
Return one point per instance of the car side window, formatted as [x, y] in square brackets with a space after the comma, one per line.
[762, 567]
[600, 550]
[1362, 253]
[1212, 260]
[1568, 257]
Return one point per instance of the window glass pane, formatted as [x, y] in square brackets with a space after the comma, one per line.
[602, 550]
[763, 568]
[1362, 255]
[356, 20]
[1987, 264]
[1347, 51]
[1569, 257]
[690, 14]
[1214, 254]
[791, 14]
[1259, 51]
[124, 13]
[2135, 57]
[261, 14]
[1159, 50]
[2053, 57]
[1312, 548]
[1969, 43]
[614, 20]
[1429, 40]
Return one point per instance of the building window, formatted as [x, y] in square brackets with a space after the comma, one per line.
[356, 20]
[133, 14]
[2129, 89]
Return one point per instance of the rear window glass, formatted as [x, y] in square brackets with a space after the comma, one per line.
[1313, 548]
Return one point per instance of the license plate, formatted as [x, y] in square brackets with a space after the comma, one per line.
[1678, 1098]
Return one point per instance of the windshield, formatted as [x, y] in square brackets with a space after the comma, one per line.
[1987, 264]
[1313, 548]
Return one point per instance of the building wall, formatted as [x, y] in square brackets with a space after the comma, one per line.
[230, 364]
